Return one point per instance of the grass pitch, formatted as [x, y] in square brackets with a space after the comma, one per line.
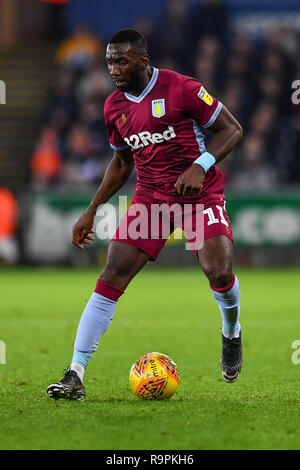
[170, 311]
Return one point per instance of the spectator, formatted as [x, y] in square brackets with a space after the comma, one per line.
[294, 142]
[8, 226]
[63, 101]
[235, 98]
[255, 174]
[208, 17]
[263, 120]
[209, 63]
[95, 83]
[46, 162]
[174, 32]
[80, 49]
[83, 164]
[148, 28]
[205, 72]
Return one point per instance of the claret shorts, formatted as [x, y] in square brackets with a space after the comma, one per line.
[149, 222]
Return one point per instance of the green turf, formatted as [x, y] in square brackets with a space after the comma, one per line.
[171, 311]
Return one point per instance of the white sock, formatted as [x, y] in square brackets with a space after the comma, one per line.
[229, 304]
[79, 369]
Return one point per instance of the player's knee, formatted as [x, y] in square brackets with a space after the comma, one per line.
[111, 274]
[220, 278]
[116, 274]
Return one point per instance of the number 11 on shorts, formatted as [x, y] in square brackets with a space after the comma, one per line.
[211, 216]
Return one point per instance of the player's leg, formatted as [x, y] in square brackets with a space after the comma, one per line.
[215, 258]
[127, 254]
[123, 263]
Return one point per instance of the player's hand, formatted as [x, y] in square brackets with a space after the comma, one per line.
[190, 182]
[82, 230]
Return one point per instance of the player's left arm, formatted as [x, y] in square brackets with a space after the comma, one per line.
[228, 132]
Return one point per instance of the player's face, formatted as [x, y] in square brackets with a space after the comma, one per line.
[125, 66]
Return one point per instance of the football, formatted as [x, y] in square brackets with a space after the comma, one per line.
[154, 376]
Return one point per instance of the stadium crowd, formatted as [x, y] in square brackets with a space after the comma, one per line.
[251, 76]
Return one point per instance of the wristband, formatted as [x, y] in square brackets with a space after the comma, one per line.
[206, 160]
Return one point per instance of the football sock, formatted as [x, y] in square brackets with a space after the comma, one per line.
[79, 369]
[95, 320]
[228, 299]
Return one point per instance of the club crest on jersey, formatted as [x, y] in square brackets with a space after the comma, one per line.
[204, 96]
[158, 108]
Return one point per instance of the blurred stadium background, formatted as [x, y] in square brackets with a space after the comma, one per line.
[53, 143]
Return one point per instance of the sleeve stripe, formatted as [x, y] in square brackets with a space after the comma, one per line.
[123, 147]
[214, 116]
[199, 136]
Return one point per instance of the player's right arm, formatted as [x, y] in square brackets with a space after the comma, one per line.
[116, 175]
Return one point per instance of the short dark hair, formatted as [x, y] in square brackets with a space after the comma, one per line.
[134, 37]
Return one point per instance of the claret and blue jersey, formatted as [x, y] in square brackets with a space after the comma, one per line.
[164, 127]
